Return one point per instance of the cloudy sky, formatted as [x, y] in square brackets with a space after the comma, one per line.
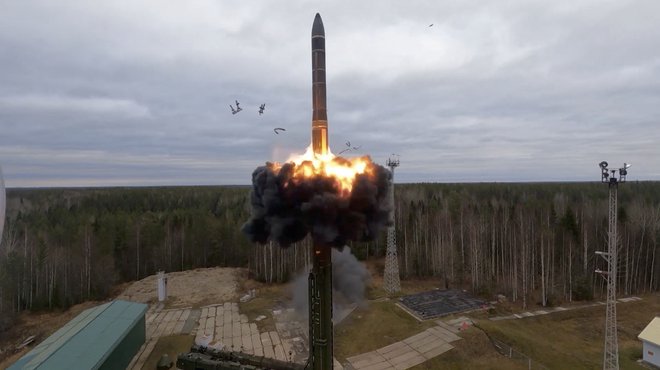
[127, 92]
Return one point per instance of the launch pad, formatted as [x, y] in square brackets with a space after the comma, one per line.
[437, 303]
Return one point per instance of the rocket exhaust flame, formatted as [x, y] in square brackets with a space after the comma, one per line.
[342, 170]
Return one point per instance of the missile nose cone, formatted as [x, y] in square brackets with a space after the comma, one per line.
[317, 27]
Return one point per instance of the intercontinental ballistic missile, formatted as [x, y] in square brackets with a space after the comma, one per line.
[319, 108]
[320, 278]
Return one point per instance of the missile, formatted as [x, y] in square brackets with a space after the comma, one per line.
[320, 278]
[319, 109]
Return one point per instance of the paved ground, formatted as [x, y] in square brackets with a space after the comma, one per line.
[294, 332]
[558, 309]
[162, 323]
[222, 326]
[411, 351]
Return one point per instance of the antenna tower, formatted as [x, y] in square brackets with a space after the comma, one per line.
[392, 282]
[611, 352]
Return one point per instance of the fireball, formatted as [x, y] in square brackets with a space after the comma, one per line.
[342, 171]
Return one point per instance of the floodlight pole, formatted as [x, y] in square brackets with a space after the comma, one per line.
[611, 350]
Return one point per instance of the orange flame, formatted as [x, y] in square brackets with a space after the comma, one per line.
[342, 170]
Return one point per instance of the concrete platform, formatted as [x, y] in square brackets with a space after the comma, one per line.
[409, 352]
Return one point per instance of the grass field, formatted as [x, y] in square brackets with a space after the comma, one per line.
[374, 326]
[474, 351]
[574, 339]
[571, 339]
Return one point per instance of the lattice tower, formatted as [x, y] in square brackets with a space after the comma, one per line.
[611, 350]
[611, 353]
[392, 282]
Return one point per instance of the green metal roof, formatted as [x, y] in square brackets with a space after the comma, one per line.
[87, 340]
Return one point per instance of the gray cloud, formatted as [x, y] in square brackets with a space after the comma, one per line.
[52, 104]
[137, 92]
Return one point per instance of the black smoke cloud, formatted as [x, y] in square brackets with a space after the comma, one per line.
[285, 209]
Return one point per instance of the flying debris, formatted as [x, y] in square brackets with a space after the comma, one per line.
[276, 129]
[238, 108]
[431, 25]
[350, 147]
[261, 108]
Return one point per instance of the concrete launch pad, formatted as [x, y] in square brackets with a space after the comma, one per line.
[437, 303]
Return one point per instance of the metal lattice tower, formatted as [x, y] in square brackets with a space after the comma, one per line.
[611, 350]
[392, 283]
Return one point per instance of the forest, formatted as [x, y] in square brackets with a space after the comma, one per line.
[533, 242]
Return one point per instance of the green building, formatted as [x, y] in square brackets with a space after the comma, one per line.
[103, 337]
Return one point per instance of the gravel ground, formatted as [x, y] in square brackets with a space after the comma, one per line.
[192, 288]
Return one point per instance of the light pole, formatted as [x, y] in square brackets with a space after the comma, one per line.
[611, 352]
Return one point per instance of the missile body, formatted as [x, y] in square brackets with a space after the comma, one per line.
[320, 278]
[319, 110]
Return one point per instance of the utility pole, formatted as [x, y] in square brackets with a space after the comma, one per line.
[611, 351]
[392, 280]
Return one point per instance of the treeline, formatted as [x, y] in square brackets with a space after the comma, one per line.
[64, 246]
[531, 242]
[535, 243]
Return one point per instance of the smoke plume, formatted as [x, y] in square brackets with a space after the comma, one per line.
[286, 208]
[349, 282]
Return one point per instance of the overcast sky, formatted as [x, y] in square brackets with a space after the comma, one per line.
[127, 92]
